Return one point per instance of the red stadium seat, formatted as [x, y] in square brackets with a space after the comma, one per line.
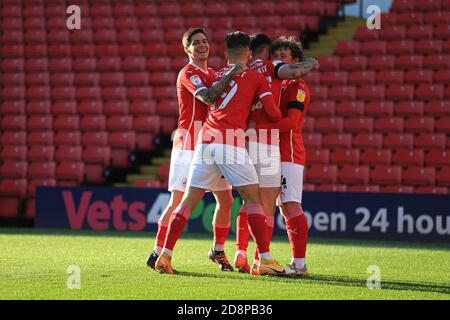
[371, 93]
[347, 47]
[398, 92]
[126, 140]
[330, 78]
[12, 107]
[312, 140]
[399, 141]
[41, 153]
[146, 124]
[353, 63]
[324, 108]
[90, 108]
[403, 47]
[361, 77]
[443, 125]
[68, 153]
[429, 141]
[62, 79]
[443, 177]
[13, 187]
[95, 138]
[430, 92]
[116, 108]
[398, 189]
[386, 125]
[93, 123]
[332, 141]
[419, 125]
[386, 175]
[321, 174]
[409, 62]
[442, 76]
[64, 138]
[404, 157]
[392, 33]
[114, 93]
[109, 64]
[442, 31]
[373, 48]
[96, 154]
[329, 63]
[86, 79]
[426, 47]
[364, 140]
[194, 8]
[329, 125]
[70, 171]
[345, 156]
[437, 61]
[13, 123]
[318, 156]
[438, 158]
[40, 108]
[365, 34]
[342, 93]
[332, 188]
[13, 169]
[350, 174]
[379, 109]
[136, 78]
[66, 123]
[390, 77]
[139, 93]
[409, 108]
[419, 176]
[15, 79]
[319, 92]
[34, 183]
[384, 62]
[364, 188]
[419, 32]
[409, 18]
[374, 157]
[41, 170]
[119, 123]
[142, 107]
[12, 65]
[432, 190]
[40, 123]
[14, 152]
[437, 108]
[111, 79]
[40, 138]
[359, 125]
[94, 173]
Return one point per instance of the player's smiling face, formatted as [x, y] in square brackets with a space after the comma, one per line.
[199, 47]
[284, 55]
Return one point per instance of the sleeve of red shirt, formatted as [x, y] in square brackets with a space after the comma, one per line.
[294, 112]
[193, 81]
[266, 98]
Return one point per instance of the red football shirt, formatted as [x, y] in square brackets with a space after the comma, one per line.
[227, 117]
[191, 79]
[295, 100]
[268, 69]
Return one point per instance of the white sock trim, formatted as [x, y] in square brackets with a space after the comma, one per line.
[265, 255]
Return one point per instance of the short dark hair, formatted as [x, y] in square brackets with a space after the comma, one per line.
[237, 40]
[291, 43]
[259, 41]
[187, 36]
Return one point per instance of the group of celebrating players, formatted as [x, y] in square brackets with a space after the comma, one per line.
[240, 127]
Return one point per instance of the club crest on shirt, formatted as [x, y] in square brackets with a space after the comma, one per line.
[196, 81]
[300, 95]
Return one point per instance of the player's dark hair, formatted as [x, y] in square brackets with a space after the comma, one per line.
[260, 41]
[290, 43]
[187, 36]
[237, 40]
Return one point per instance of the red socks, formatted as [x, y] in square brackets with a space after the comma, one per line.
[270, 223]
[242, 232]
[177, 222]
[161, 235]
[220, 234]
[257, 223]
[297, 229]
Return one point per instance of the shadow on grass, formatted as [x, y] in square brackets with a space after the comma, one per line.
[332, 280]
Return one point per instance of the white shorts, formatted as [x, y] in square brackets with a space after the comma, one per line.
[291, 182]
[180, 162]
[266, 158]
[212, 161]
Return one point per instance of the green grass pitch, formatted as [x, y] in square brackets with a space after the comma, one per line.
[34, 265]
